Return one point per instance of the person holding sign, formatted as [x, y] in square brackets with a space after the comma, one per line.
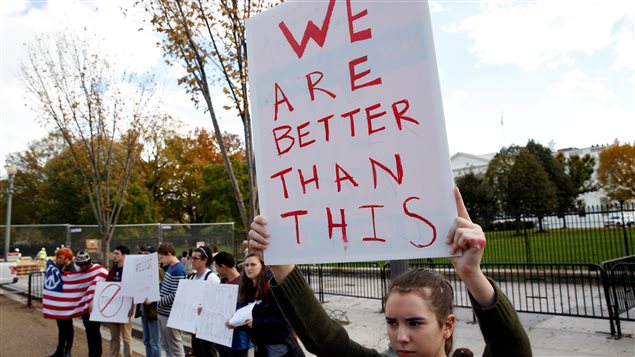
[268, 329]
[226, 268]
[171, 339]
[201, 260]
[418, 313]
[64, 260]
[97, 273]
[118, 331]
[149, 318]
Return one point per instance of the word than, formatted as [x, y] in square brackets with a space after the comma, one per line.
[341, 175]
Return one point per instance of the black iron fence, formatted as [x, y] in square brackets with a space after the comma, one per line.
[580, 290]
[594, 235]
[36, 284]
[579, 264]
[575, 289]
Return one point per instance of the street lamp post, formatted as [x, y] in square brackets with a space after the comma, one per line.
[11, 171]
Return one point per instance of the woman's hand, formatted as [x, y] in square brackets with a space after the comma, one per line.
[258, 243]
[468, 238]
[258, 236]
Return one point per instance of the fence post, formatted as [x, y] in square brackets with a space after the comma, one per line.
[159, 234]
[384, 284]
[608, 287]
[527, 246]
[624, 228]
[29, 299]
[320, 281]
[68, 235]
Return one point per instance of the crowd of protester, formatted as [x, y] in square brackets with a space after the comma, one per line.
[419, 316]
[204, 263]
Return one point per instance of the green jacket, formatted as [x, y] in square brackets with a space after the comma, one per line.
[501, 328]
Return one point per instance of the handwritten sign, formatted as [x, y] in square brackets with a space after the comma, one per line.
[349, 132]
[140, 278]
[218, 307]
[188, 298]
[109, 303]
[217, 302]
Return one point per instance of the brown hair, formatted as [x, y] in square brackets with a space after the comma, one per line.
[166, 249]
[433, 288]
[247, 286]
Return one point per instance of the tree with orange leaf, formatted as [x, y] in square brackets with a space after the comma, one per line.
[208, 39]
[616, 172]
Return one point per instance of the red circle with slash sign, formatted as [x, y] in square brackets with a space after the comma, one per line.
[111, 306]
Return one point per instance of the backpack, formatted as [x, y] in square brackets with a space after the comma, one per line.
[193, 275]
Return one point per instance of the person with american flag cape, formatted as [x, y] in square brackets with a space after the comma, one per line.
[68, 293]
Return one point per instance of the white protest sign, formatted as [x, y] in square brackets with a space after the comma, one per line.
[352, 154]
[189, 296]
[140, 277]
[109, 303]
[218, 307]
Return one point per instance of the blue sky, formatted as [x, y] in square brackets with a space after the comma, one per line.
[556, 71]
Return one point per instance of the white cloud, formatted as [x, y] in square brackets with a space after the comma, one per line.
[544, 32]
[576, 111]
[436, 6]
[12, 7]
[625, 45]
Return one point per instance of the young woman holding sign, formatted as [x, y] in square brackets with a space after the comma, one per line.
[268, 330]
[418, 313]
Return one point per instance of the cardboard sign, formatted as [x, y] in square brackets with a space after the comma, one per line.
[188, 298]
[218, 306]
[140, 277]
[217, 302]
[349, 133]
[109, 303]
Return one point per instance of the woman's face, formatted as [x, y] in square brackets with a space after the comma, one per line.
[413, 328]
[252, 267]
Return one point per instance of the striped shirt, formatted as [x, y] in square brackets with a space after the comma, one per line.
[167, 288]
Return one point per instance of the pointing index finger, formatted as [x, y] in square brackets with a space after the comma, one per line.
[461, 211]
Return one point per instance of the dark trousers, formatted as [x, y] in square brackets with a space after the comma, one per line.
[202, 348]
[224, 351]
[64, 335]
[93, 336]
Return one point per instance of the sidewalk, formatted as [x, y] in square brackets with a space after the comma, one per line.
[549, 335]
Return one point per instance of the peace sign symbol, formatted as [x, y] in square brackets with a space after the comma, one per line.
[52, 279]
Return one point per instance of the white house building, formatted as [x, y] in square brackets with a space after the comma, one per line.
[462, 163]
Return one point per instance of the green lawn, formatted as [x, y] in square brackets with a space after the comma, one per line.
[588, 245]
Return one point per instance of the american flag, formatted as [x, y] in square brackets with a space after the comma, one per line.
[68, 294]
